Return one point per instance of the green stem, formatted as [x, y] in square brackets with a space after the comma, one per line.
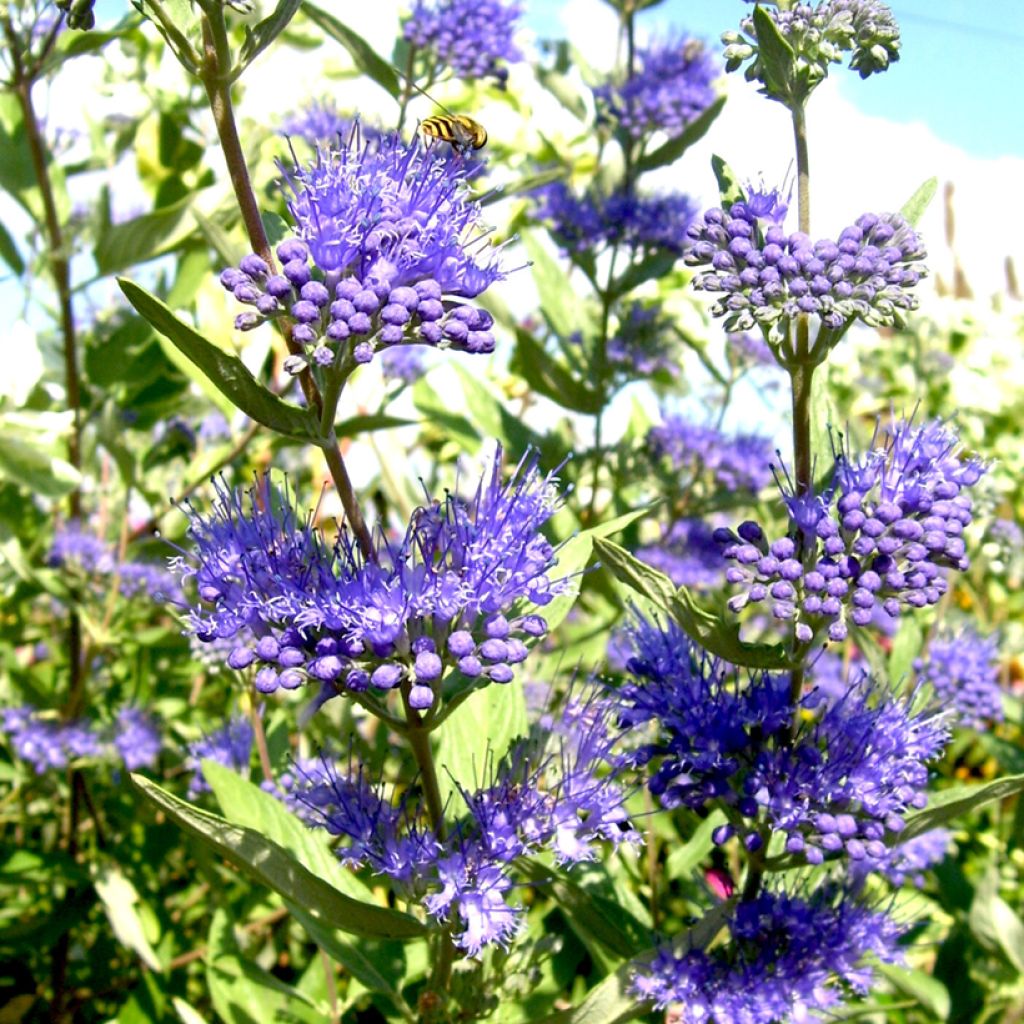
[57, 256]
[803, 168]
[216, 78]
[410, 69]
[419, 743]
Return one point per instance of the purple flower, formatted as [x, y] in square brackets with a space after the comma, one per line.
[737, 462]
[441, 599]
[557, 790]
[766, 277]
[881, 535]
[47, 743]
[155, 581]
[137, 738]
[320, 121]
[830, 777]
[820, 35]
[963, 669]
[593, 221]
[688, 554]
[230, 746]
[392, 232]
[671, 86]
[643, 345]
[782, 960]
[469, 37]
[403, 363]
[749, 349]
[73, 548]
[908, 861]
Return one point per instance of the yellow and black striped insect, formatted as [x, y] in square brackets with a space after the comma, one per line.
[461, 132]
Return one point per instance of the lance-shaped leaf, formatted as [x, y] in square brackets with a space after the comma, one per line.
[777, 57]
[259, 38]
[226, 372]
[952, 803]
[716, 635]
[550, 378]
[691, 134]
[362, 53]
[913, 209]
[267, 863]
[729, 189]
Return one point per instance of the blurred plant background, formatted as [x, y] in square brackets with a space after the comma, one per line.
[605, 363]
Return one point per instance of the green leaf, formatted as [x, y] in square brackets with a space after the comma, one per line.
[658, 264]
[558, 300]
[913, 209]
[259, 38]
[367, 423]
[267, 863]
[227, 372]
[601, 917]
[573, 557]
[365, 962]
[683, 859]
[926, 990]
[951, 803]
[994, 922]
[35, 467]
[229, 252]
[672, 150]
[906, 646]
[717, 635]
[9, 251]
[276, 227]
[729, 188]
[363, 55]
[550, 378]
[241, 991]
[475, 736]
[245, 804]
[777, 57]
[119, 899]
[144, 238]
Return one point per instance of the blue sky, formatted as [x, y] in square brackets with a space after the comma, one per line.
[961, 71]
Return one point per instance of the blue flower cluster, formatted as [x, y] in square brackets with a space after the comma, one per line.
[819, 36]
[320, 122]
[672, 85]
[785, 952]
[842, 780]
[555, 791]
[440, 600]
[908, 861]
[767, 277]
[688, 554]
[740, 462]
[230, 746]
[468, 37]
[594, 221]
[47, 743]
[392, 235]
[883, 533]
[73, 548]
[963, 669]
[643, 344]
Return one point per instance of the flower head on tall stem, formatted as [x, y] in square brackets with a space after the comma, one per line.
[442, 602]
[470, 38]
[883, 533]
[782, 961]
[396, 244]
[671, 86]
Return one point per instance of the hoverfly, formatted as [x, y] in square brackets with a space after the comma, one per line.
[460, 131]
